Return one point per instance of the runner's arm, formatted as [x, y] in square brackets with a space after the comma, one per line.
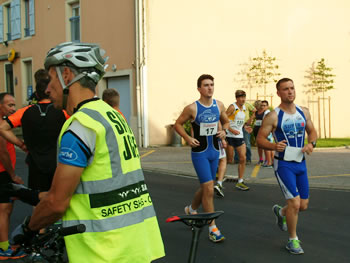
[229, 112]
[53, 205]
[268, 125]
[187, 114]
[6, 162]
[311, 132]
[223, 123]
[7, 133]
[223, 116]
[252, 117]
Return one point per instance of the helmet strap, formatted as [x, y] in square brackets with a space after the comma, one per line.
[66, 87]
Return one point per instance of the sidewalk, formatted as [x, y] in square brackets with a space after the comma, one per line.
[177, 161]
[327, 168]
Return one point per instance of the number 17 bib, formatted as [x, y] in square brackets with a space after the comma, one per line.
[208, 129]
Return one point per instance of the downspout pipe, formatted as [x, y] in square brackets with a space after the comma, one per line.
[143, 74]
[137, 65]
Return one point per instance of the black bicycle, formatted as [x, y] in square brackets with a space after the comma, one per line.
[45, 247]
[196, 222]
[49, 246]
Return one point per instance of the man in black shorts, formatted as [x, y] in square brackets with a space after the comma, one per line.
[7, 175]
[235, 138]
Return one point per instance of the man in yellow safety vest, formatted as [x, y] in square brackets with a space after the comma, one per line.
[98, 181]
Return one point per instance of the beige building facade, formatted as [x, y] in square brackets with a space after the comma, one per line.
[188, 38]
[29, 28]
[158, 48]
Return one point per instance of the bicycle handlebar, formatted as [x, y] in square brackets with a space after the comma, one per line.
[52, 235]
[71, 230]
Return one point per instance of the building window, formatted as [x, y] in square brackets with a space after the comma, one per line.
[15, 7]
[7, 13]
[75, 23]
[9, 78]
[2, 31]
[28, 79]
[26, 18]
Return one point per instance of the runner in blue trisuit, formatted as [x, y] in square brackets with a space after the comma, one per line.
[288, 122]
[205, 115]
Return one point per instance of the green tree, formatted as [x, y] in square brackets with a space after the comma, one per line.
[322, 82]
[310, 76]
[246, 82]
[263, 70]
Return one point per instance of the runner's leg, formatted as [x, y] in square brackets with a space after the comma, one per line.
[5, 213]
[242, 160]
[229, 154]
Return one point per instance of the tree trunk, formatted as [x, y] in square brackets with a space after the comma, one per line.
[324, 115]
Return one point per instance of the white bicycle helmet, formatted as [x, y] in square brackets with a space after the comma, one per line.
[79, 55]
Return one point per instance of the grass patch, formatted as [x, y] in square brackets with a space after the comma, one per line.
[335, 142]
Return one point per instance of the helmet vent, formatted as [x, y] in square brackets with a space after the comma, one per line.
[87, 49]
[81, 58]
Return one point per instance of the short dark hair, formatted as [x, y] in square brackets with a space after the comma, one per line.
[265, 101]
[42, 79]
[3, 95]
[111, 96]
[203, 77]
[41, 74]
[282, 81]
[240, 93]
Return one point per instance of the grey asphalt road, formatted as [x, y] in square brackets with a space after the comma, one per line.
[248, 223]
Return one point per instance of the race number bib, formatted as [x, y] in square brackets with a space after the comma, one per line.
[293, 154]
[208, 129]
[258, 122]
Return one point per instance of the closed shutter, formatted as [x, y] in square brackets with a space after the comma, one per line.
[15, 19]
[1, 24]
[31, 18]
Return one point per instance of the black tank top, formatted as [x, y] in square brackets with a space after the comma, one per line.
[41, 125]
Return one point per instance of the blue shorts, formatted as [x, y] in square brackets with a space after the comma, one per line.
[206, 163]
[292, 178]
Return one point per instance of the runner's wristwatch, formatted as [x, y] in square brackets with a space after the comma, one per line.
[313, 144]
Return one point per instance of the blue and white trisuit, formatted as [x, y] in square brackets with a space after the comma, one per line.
[205, 158]
[289, 165]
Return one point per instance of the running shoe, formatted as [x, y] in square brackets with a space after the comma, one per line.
[267, 166]
[187, 211]
[216, 236]
[293, 246]
[248, 162]
[219, 190]
[280, 220]
[11, 253]
[242, 186]
[261, 162]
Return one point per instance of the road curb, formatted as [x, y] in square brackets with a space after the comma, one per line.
[249, 180]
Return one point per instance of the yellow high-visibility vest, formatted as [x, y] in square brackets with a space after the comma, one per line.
[112, 199]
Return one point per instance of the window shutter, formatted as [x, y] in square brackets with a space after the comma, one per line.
[1, 24]
[15, 19]
[31, 18]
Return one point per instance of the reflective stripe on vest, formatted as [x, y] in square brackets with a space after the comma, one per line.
[115, 221]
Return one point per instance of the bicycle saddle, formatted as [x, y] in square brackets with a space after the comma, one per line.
[196, 220]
